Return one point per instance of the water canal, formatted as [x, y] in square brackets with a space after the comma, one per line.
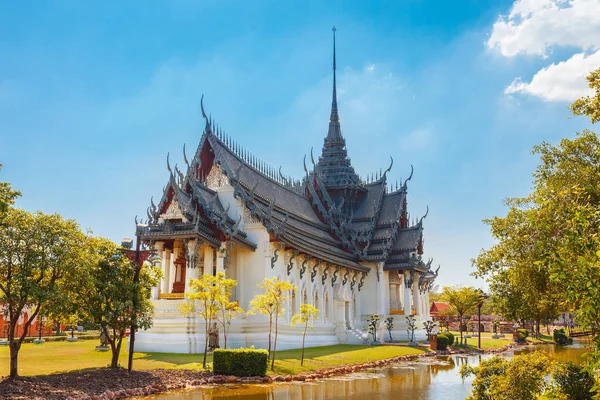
[426, 379]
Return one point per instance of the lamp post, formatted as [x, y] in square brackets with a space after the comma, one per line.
[482, 298]
[137, 257]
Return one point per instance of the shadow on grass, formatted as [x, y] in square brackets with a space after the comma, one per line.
[176, 358]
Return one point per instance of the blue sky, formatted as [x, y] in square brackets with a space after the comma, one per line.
[94, 94]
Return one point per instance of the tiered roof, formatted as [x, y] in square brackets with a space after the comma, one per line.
[331, 214]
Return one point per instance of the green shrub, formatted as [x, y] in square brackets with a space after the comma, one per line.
[574, 382]
[450, 337]
[523, 334]
[561, 337]
[520, 378]
[240, 362]
[442, 342]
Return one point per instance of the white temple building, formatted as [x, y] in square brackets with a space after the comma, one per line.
[344, 241]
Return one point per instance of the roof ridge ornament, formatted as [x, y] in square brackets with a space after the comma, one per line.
[208, 126]
[185, 157]
[169, 164]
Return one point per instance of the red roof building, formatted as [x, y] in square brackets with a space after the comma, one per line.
[438, 308]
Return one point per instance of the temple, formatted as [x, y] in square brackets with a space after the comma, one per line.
[345, 241]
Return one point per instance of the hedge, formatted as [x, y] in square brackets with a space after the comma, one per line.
[561, 337]
[522, 334]
[240, 362]
[450, 337]
[442, 341]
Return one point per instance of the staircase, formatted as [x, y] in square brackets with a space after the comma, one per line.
[355, 336]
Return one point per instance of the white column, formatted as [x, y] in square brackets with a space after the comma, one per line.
[159, 247]
[416, 293]
[167, 271]
[382, 307]
[407, 294]
[221, 258]
[208, 260]
[173, 272]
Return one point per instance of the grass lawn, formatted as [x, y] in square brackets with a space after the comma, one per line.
[543, 338]
[487, 343]
[63, 356]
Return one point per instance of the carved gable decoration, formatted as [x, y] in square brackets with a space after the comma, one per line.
[216, 178]
[173, 211]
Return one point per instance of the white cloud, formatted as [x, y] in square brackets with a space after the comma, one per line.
[564, 81]
[536, 26]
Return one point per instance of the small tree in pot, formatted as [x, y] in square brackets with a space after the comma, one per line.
[410, 320]
[428, 325]
[389, 325]
[372, 323]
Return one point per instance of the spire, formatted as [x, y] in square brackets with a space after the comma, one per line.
[334, 110]
[334, 167]
[335, 132]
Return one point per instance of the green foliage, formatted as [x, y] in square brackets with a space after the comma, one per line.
[450, 337]
[103, 290]
[574, 382]
[561, 337]
[496, 326]
[548, 247]
[38, 252]
[209, 297]
[7, 196]
[498, 378]
[463, 301]
[522, 334]
[590, 105]
[428, 326]
[410, 329]
[270, 303]
[240, 362]
[442, 342]
[307, 314]
[372, 324]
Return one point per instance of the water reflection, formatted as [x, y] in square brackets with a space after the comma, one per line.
[429, 378]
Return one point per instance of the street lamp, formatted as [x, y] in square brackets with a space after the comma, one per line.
[482, 298]
[138, 257]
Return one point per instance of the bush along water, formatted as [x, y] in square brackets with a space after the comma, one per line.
[561, 337]
[240, 362]
[522, 334]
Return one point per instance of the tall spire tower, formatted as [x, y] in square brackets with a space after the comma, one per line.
[334, 167]
[335, 131]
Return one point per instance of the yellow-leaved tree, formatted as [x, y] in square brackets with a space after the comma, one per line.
[206, 298]
[305, 317]
[270, 303]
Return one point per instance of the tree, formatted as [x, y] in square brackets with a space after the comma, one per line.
[7, 196]
[519, 278]
[305, 317]
[103, 291]
[270, 303]
[37, 252]
[554, 232]
[590, 105]
[499, 378]
[208, 295]
[463, 300]
[228, 310]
